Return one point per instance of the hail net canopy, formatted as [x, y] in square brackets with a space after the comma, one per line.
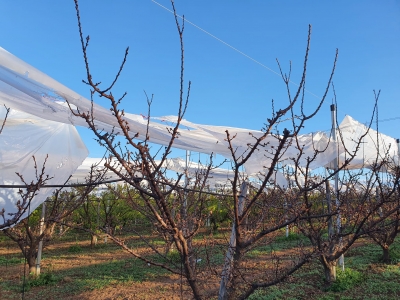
[41, 124]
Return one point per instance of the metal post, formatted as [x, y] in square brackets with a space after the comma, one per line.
[336, 166]
[98, 213]
[186, 222]
[107, 220]
[40, 247]
[227, 270]
[184, 208]
[329, 206]
[285, 205]
[187, 168]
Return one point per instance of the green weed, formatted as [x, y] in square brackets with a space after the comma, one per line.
[174, 256]
[272, 293]
[75, 249]
[43, 279]
[394, 252]
[4, 261]
[346, 279]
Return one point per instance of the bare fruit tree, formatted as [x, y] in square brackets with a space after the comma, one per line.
[386, 195]
[167, 209]
[26, 194]
[258, 210]
[37, 227]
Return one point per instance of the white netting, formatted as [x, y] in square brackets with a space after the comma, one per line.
[24, 88]
[25, 136]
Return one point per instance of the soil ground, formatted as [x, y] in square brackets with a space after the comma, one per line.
[71, 269]
[58, 259]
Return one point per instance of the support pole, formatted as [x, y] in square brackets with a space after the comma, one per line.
[336, 166]
[40, 247]
[186, 222]
[184, 207]
[98, 213]
[287, 226]
[329, 205]
[227, 270]
[108, 229]
[285, 206]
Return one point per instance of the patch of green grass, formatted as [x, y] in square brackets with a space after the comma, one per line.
[213, 258]
[43, 279]
[117, 271]
[346, 279]
[309, 271]
[272, 293]
[381, 287]
[279, 292]
[291, 237]
[92, 277]
[386, 282]
[4, 261]
[32, 281]
[75, 249]
[281, 242]
[361, 257]
[217, 259]
[394, 252]
[174, 256]
[391, 272]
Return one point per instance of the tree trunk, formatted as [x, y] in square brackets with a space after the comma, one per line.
[93, 241]
[386, 255]
[232, 258]
[234, 284]
[31, 259]
[30, 252]
[190, 270]
[329, 270]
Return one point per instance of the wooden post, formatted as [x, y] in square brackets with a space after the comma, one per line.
[227, 270]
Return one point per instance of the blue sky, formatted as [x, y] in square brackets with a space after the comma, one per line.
[227, 88]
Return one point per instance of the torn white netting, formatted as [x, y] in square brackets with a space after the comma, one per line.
[25, 136]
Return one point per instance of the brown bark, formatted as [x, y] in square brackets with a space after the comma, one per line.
[329, 269]
[386, 254]
[93, 240]
[32, 264]
[234, 284]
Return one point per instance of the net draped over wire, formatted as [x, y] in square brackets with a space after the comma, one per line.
[41, 124]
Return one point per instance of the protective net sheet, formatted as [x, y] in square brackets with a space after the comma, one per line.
[26, 89]
[81, 174]
[371, 147]
[25, 136]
